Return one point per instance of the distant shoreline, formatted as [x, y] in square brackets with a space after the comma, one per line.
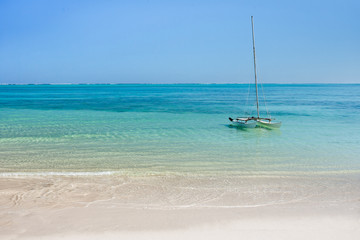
[61, 84]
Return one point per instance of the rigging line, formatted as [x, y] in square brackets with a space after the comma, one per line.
[267, 111]
[247, 99]
[254, 54]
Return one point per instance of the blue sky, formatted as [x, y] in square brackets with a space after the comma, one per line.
[145, 41]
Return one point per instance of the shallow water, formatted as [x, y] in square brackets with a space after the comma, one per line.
[182, 129]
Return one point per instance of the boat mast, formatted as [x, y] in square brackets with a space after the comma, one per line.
[256, 87]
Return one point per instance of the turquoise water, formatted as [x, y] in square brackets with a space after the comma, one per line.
[152, 129]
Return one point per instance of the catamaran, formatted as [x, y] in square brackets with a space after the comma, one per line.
[252, 122]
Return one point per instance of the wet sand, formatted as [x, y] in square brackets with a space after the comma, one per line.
[178, 207]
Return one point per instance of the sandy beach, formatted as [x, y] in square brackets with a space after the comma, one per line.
[178, 207]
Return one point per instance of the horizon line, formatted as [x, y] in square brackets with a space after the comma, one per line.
[294, 83]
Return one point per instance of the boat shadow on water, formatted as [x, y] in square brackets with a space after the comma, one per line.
[256, 131]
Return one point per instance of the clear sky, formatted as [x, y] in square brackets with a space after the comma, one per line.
[180, 41]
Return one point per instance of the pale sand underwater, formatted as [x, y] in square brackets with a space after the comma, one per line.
[177, 207]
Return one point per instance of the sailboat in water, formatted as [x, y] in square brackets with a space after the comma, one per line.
[252, 122]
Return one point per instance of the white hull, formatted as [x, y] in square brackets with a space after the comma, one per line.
[252, 123]
[242, 124]
[266, 124]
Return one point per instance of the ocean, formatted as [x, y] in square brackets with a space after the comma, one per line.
[181, 129]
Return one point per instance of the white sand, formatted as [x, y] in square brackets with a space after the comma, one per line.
[314, 228]
[162, 207]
